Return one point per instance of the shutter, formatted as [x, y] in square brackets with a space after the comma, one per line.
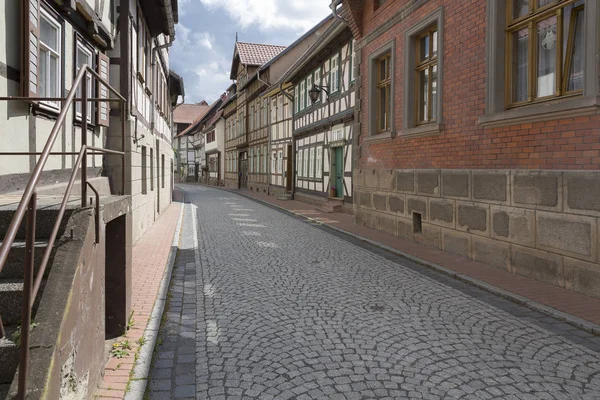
[30, 37]
[103, 108]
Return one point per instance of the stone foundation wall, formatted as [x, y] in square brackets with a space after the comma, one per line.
[276, 190]
[540, 224]
[258, 187]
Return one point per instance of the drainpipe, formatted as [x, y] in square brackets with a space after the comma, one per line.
[153, 64]
[334, 5]
[291, 99]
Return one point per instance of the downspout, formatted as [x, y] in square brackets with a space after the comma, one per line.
[334, 5]
[291, 99]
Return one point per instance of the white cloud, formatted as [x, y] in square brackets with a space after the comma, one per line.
[266, 15]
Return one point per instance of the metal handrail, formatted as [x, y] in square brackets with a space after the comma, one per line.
[28, 203]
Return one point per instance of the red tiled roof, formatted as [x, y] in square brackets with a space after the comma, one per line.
[188, 113]
[256, 53]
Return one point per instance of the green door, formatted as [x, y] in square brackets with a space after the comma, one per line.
[339, 171]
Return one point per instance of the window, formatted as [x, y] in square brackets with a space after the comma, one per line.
[305, 164]
[258, 163]
[302, 96]
[544, 49]
[299, 164]
[274, 162]
[296, 99]
[334, 73]
[265, 112]
[50, 58]
[251, 160]
[423, 73]
[311, 165]
[162, 171]
[265, 164]
[384, 82]
[273, 110]
[319, 162]
[251, 118]
[84, 56]
[426, 76]
[144, 172]
[279, 161]
[280, 108]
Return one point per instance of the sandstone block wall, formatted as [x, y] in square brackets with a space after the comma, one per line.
[537, 223]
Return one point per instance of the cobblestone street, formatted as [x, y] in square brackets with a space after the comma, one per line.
[264, 305]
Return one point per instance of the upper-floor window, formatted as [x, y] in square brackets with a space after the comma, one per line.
[426, 71]
[334, 74]
[251, 118]
[317, 79]
[352, 60]
[384, 81]
[84, 57]
[544, 49]
[309, 86]
[302, 95]
[50, 58]
[280, 108]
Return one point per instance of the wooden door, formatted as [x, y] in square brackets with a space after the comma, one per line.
[339, 171]
[243, 175]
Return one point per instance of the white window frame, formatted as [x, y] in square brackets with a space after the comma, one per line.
[296, 99]
[305, 163]
[280, 161]
[311, 162]
[89, 53]
[302, 95]
[45, 15]
[299, 164]
[334, 73]
[319, 163]
[317, 80]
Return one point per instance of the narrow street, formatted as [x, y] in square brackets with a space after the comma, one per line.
[264, 305]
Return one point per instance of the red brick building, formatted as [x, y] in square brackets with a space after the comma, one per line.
[480, 130]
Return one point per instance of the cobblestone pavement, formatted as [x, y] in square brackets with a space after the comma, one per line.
[267, 306]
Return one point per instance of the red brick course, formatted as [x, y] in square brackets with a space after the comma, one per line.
[569, 143]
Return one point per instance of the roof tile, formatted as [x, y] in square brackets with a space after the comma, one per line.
[256, 53]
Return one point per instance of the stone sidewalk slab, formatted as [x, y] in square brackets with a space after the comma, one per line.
[572, 307]
[149, 255]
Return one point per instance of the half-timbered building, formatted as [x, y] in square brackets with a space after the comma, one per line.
[323, 120]
[247, 57]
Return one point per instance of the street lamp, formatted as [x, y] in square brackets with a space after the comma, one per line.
[315, 92]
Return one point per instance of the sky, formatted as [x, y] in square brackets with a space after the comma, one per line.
[205, 36]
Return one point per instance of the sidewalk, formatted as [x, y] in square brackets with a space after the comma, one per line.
[150, 255]
[571, 307]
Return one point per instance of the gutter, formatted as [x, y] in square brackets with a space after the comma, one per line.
[334, 5]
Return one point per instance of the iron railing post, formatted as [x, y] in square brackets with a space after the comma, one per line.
[84, 116]
[27, 295]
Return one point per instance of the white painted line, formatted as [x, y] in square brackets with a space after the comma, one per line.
[239, 215]
[250, 233]
[244, 219]
[253, 225]
[212, 331]
[267, 244]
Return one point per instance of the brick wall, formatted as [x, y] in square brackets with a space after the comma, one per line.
[569, 143]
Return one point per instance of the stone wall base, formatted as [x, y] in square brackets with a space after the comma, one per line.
[540, 224]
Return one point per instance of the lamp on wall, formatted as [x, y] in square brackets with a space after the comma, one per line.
[315, 92]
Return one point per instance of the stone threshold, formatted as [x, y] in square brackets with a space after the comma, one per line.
[571, 307]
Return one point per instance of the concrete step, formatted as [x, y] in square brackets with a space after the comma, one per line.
[13, 268]
[9, 359]
[45, 220]
[11, 293]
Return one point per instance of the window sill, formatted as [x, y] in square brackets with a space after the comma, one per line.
[565, 108]
[380, 137]
[422, 130]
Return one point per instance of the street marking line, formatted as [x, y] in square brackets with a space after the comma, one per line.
[268, 244]
[244, 219]
[253, 225]
[239, 215]
[212, 331]
[250, 233]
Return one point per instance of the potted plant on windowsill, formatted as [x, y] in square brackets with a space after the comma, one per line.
[332, 192]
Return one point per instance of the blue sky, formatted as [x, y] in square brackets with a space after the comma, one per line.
[206, 31]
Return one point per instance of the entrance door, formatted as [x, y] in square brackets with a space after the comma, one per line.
[338, 170]
[243, 175]
[290, 170]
